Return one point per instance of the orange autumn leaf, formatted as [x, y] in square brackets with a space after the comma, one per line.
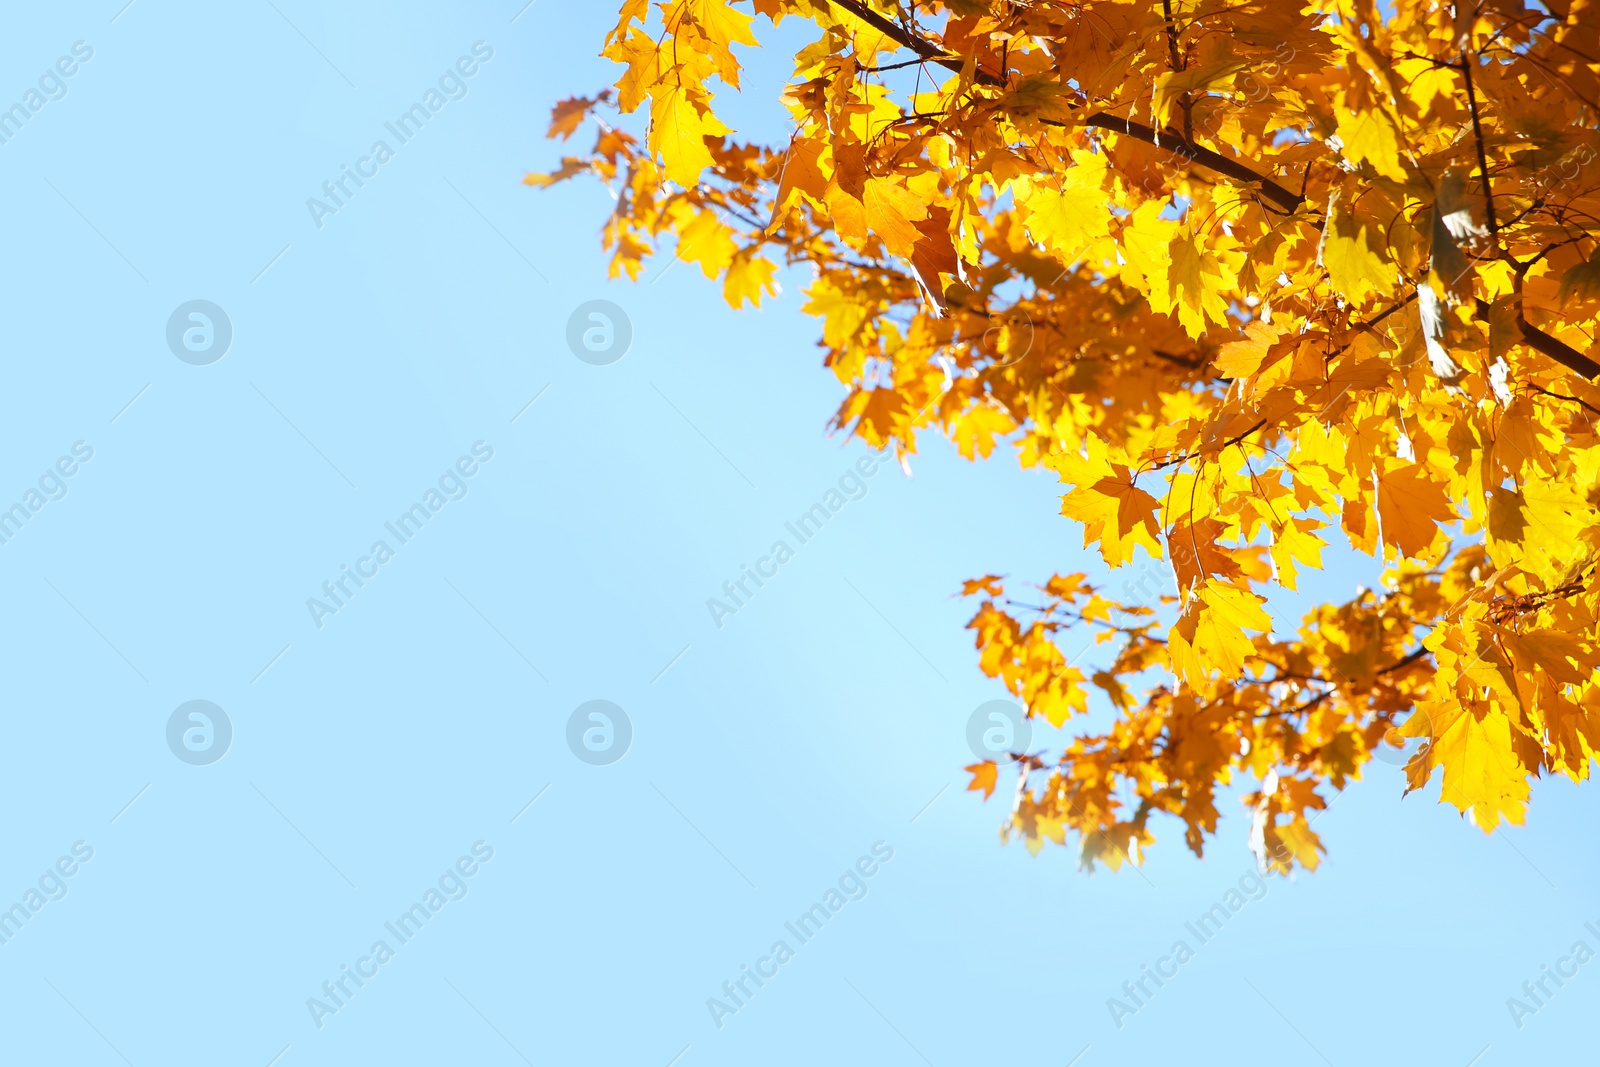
[983, 777]
[567, 115]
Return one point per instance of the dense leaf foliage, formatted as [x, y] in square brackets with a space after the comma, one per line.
[1251, 278]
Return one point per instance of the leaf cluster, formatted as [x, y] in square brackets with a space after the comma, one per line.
[1251, 278]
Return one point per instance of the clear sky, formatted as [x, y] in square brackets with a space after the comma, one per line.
[382, 751]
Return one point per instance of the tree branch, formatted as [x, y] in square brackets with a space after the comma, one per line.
[1405, 661]
[1557, 350]
[922, 47]
[1178, 64]
[1561, 396]
[1542, 342]
[1168, 139]
[1191, 455]
[1174, 142]
[1536, 338]
[1477, 136]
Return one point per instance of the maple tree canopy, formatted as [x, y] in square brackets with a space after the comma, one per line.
[1249, 277]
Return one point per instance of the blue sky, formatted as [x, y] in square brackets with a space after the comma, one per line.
[379, 756]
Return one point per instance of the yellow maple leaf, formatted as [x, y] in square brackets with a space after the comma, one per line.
[1352, 249]
[1066, 219]
[843, 310]
[1146, 237]
[1194, 279]
[680, 121]
[1368, 135]
[567, 115]
[705, 240]
[976, 429]
[749, 278]
[712, 25]
[1115, 512]
[1481, 774]
[643, 60]
[1210, 635]
[1292, 543]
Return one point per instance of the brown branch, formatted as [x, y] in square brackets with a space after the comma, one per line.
[1559, 396]
[891, 66]
[1174, 142]
[1285, 674]
[1168, 139]
[921, 46]
[1177, 65]
[1483, 161]
[1536, 338]
[1191, 455]
[1370, 323]
[1300, 709]
[1555, 348]
[1523, 266]
[1405, 661]
[1179, 360]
